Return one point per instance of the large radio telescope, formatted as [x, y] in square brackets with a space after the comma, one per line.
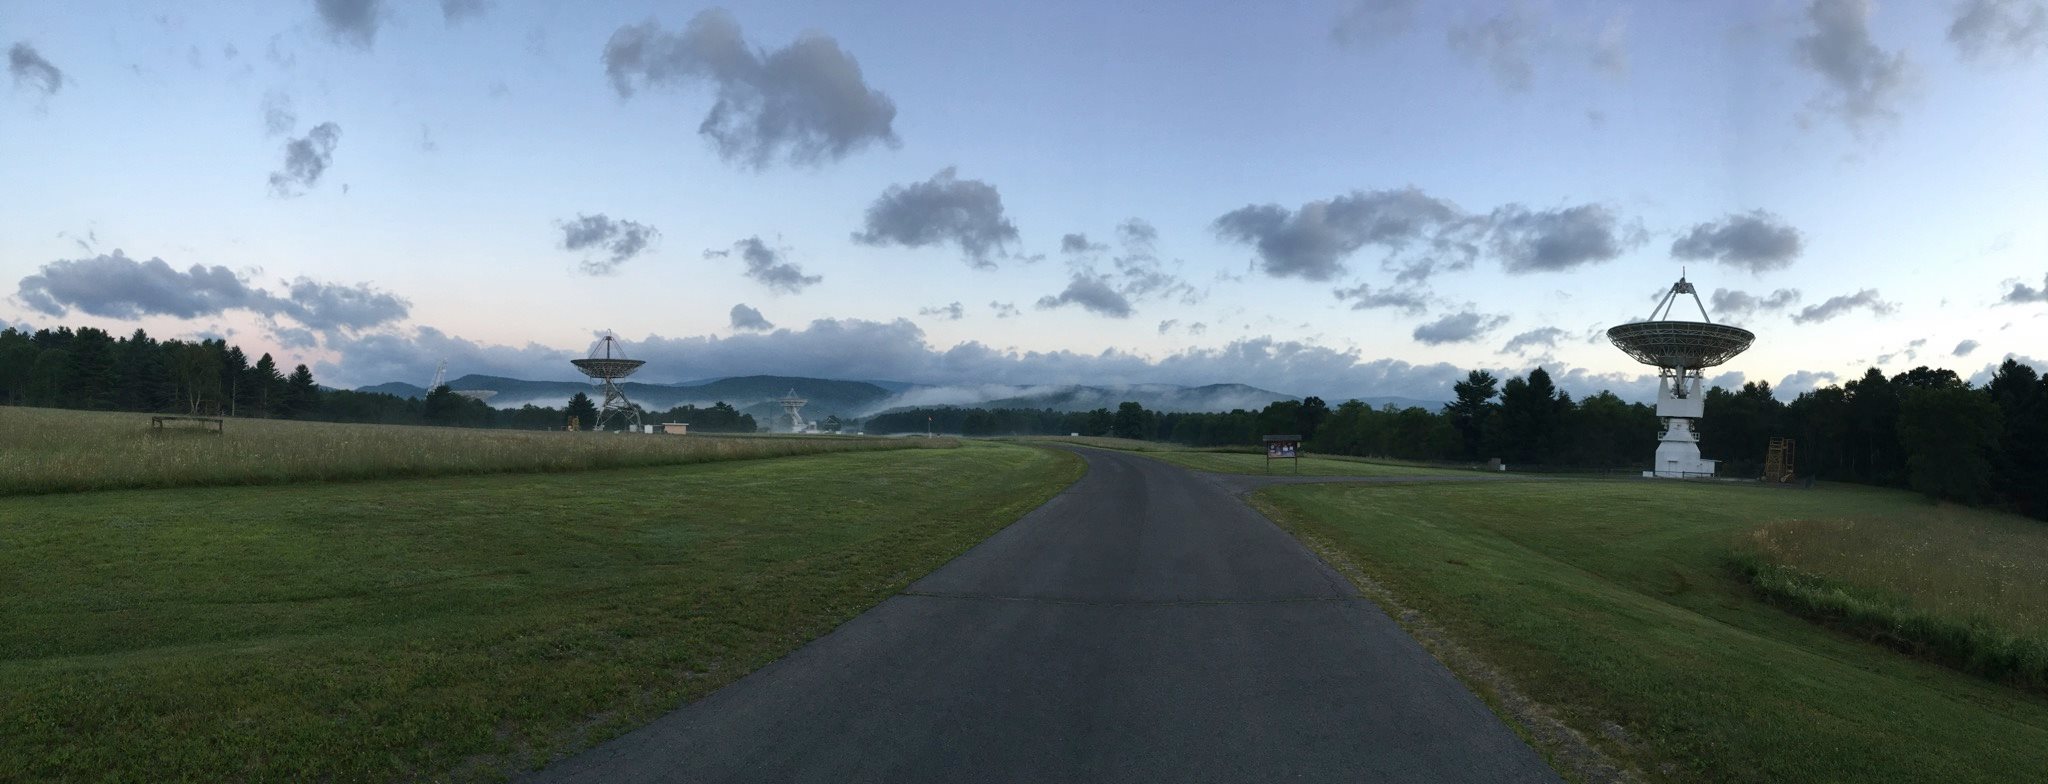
[1680, 350]
[605, 365]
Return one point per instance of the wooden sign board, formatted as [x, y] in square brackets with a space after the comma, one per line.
[1283, 447]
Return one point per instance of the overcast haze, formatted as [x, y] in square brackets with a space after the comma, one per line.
[1339, 198]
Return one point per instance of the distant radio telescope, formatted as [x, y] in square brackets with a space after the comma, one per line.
[793, 410]
[606, 364]
[1680, 350]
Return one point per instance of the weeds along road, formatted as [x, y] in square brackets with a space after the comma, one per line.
[1144, 625]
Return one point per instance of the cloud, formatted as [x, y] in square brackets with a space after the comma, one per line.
[295, 337]
[1168, 325]
[1078, 243]
[1369, 22]
[1838, 306]
[767, 266]
[1864, 83]
[1757, 241]
[331, 306]
[1543, 337]
[1560, 239]
[806, 103]
[1732, 304]
[1502, 43]
[28, 67]
[1462, 327]
[1137, 235]
[305, 160]
[351, 21]
[618, 240]
[116, 286]
[1964, 348]
[952, 312]
[1003, 309]
[1802, 382]
[966, 213]
[748, 319]
[2022, 293]
[1091, 292]
[454, 11]
[2010, 30]
[1313, 241]
[278, 117]
[1363, 297]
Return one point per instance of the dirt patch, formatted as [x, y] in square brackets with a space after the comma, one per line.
[1568, 750]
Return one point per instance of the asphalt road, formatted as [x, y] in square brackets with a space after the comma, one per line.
[1145, 625]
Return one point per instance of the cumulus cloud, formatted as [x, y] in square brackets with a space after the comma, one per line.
[116, 286]
[748, 319]
[1802, 382]
[305, 159]
[1078, 243]
[806, 103]
[1541, 337]
[617, 241]
[951, 312]
[1313, 241]
[1091, 292]
[943, 209]
[453, 11]
[351, 21]
[768, 266]
[1867, 299]
[1003, 309]
[1369, 22]
[1964, 348]
[1733, 304]
[1864, 83]
[31, 70]
[1364, 297]
[1463, 327]
[1990, 30]
[1560, 239]
[2021, 293]
[1757, 241]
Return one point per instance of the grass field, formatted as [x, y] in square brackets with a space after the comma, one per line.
[450, 627]
[1314, 465]
[1613, 604]
[1125, 444]
[49, 450]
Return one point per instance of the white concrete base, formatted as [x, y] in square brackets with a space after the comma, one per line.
[1678, 454]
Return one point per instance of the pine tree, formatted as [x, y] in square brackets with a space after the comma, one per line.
[581, 411]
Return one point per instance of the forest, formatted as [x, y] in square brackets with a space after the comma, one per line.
[1924, 429]
[90, 369]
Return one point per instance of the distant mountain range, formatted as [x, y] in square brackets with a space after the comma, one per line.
[756, 395]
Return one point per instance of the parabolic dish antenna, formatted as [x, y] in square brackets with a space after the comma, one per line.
[1680, 350]
[606, 364]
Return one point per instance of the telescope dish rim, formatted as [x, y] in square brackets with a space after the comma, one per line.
[1693, 344]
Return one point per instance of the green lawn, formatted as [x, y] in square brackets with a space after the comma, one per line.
[1240, 463]
[452, 627]
[1614, 602]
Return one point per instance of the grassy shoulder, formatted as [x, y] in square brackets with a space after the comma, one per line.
[1314, 465]
[1612, 603]
[452, 627]
[50, 450]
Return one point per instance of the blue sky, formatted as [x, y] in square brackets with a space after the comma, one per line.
[1885, 154]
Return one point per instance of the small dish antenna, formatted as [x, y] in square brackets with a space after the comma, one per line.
[605, 365]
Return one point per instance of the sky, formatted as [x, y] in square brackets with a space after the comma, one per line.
[1342, 198]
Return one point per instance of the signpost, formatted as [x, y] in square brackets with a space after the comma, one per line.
[1283, 448]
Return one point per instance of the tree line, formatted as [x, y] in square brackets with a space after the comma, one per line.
[1925, 429]
[91, 369]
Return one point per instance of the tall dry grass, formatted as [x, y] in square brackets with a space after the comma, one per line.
[54, 451]
[1968, 590]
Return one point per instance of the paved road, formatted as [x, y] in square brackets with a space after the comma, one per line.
[1145, 625]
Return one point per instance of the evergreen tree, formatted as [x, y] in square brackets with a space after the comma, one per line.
[301, 395]
[1949, 434]
[582, 411]
[1472, 412]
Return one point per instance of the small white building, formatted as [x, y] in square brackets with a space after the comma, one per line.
[676, 428]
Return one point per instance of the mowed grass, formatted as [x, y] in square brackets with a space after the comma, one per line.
[50, 450]
[1126, 444]
[1969, 590]
[1313, 465]
[1613, 603]
[454, 627]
